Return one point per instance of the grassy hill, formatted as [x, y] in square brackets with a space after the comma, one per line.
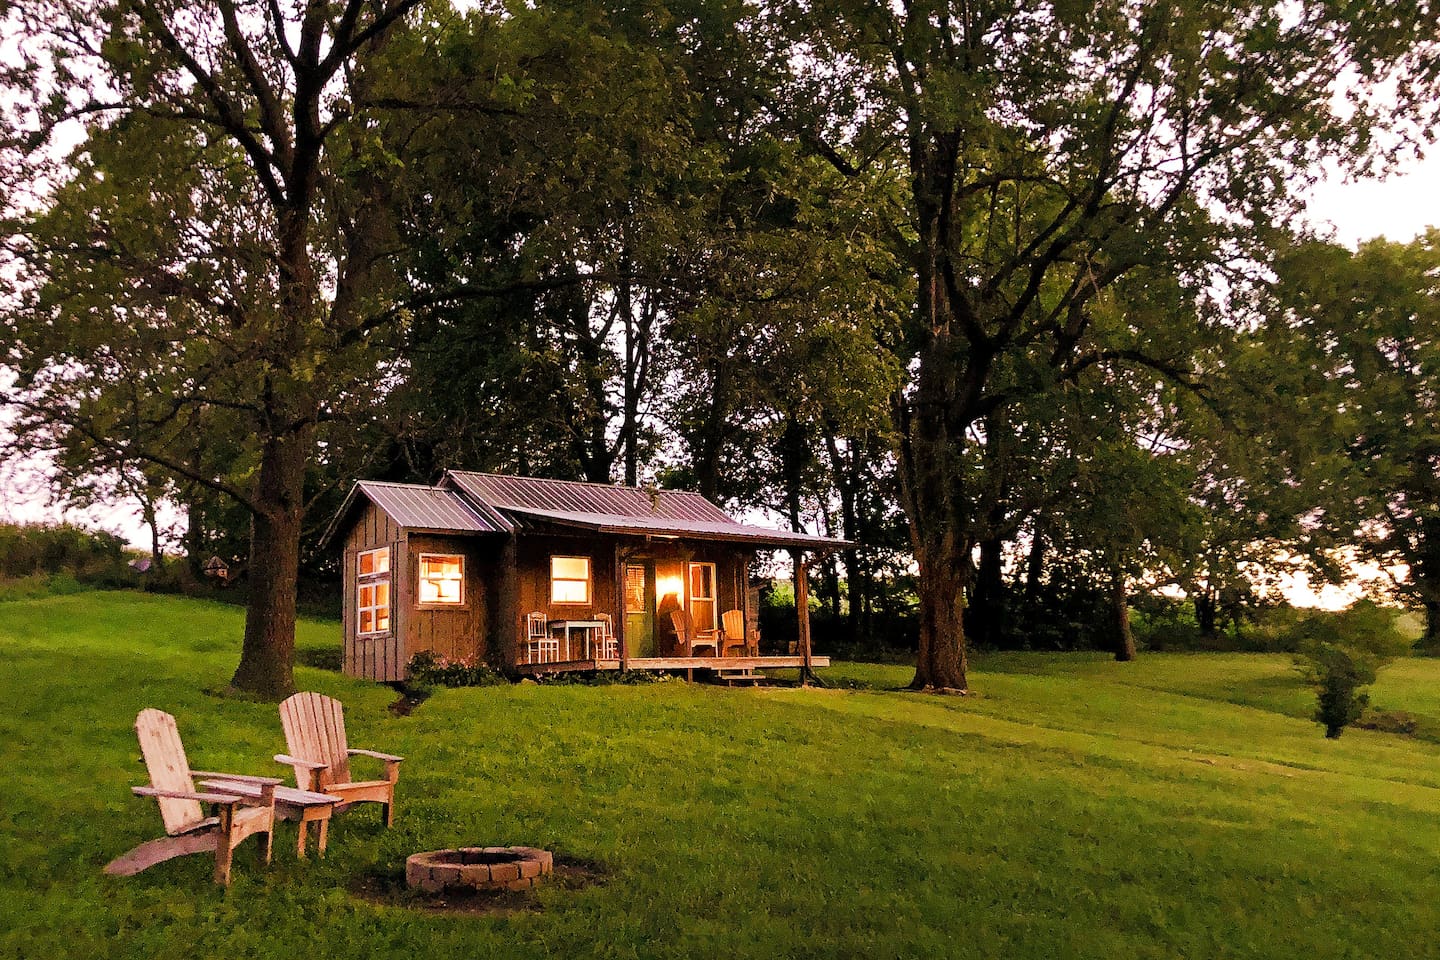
[1180, 806]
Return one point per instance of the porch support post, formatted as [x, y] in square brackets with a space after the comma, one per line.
[620, 608]
[743, 582]
[802, 615]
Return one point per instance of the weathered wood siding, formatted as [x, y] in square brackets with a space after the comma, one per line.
[669, 557]
[380, 656]
[456, 632]
[533, 555]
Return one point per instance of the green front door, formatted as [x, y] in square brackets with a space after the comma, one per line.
[640, 609]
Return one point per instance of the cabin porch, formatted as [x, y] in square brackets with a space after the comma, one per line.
[621, 602]
[676, 663]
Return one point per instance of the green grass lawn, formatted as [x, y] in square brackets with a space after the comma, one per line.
[1179, 806]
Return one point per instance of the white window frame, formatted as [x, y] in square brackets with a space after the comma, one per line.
[373, 581]
[588, 581]
[713, 599]
[420, 580]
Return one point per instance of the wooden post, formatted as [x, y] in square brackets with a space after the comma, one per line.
[743, 582]
[802, 615]
[620, 603]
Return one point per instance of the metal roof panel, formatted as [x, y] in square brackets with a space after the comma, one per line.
[576, 497]
[660, 526]
[428, 508]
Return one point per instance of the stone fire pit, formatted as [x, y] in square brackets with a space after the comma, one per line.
[477, 868]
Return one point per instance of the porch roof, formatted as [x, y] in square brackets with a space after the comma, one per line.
[728, 530]
[607, 508]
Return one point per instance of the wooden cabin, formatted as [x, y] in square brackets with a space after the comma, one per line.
[537, 576]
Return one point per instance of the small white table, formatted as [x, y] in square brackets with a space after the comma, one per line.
[587, 628]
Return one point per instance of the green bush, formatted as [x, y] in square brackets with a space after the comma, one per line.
[1340, 653]
[429, 669]
[29, 549]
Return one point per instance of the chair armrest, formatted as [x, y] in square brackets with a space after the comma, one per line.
[387, 757]
[225, 799]
[297, 762]
[241, 778]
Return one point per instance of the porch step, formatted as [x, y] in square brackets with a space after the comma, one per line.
[742, 677]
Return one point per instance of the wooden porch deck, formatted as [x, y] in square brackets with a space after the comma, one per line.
[675, 663]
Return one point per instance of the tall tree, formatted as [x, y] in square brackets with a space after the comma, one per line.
[210, 258]
[1361, 331]
[1058, 153]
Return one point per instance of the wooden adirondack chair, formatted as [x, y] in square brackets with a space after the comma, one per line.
[690, 638]
[172, 784]
[315, 735]
[733, 635]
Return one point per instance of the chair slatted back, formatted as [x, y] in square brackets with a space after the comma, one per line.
[607, 626]
[314, 727]
[684, 628]
[169, 769]
[734, 623]
[536, 627]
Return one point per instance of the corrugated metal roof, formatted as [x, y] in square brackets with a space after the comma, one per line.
[490, 503]
[569, 496]
[660, 526]
[418, 507]
[427, 508]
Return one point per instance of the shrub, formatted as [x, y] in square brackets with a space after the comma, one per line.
[428, 668]
[604, 678]
[1340, 653]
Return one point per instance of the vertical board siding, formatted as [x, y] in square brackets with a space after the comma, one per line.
[455, 632]
[370, 657]
[533, 555]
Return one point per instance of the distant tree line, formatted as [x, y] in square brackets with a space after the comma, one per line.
[1012, 295]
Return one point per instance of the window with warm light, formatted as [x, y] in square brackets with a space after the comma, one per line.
[569, 579]
[442, 579]
[702, 595]
[372, 593]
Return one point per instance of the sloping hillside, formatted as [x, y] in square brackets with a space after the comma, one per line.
[1181, 806]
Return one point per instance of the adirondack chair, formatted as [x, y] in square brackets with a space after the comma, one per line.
[733, 635]
[188, 830]
[690, 638]
[315, 735]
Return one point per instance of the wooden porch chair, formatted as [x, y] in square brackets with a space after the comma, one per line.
[314, 727]
[538, 639]
[188, 830]
[606, 646]
[692, 640]
[732, 623]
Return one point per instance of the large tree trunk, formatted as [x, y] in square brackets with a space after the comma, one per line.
[940, 664]
[987, 607]
[267, 657]
[1035, 563]
[1205, 613]
[1427, 580]
[1120, 618]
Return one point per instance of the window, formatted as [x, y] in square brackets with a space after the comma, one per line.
[442, 579]
[569, 579]
[374, 561]
[634, 589]
[372, 594]
[702, 595]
